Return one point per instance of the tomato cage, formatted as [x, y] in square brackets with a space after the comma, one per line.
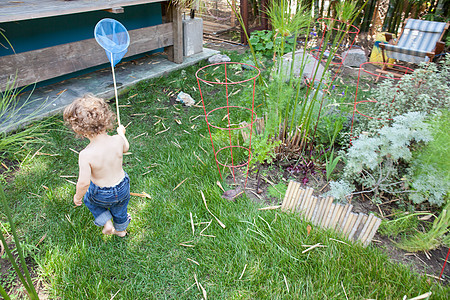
[337, 39]
[224, 87]
[372, 69]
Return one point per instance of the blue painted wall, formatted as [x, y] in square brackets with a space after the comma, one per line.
[46, 32]
[40, 33]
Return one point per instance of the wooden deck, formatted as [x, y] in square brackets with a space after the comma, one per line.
[46, 63]
[11, 11]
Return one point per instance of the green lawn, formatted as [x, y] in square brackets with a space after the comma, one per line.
[257, 256]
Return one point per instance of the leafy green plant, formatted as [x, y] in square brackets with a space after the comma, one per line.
[425, 90]
[265, 42]
[7, 281]
[25, 276]
[299, 109]
[263, 150]
[262, 41]
[290, 109]
[331, 163]
[332, 130]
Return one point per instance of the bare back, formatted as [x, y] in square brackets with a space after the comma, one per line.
[104, 155]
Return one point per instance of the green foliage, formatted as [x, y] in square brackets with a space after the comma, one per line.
[375, 161]
[331, 163]
[341, 189]
[266, 43]
[425, 90]
[262, 41]
[429, 173]
[329, 127]
[7, 281]
[346, 10]
[25, 276]
[263, 150]
[294, 112]
[5, 228]
[431, 239]
[288, 18]
[402, 223]
[12, 137]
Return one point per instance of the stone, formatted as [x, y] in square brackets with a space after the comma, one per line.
[354, 57]
[192, 36]
[218, 58]
[304, 64]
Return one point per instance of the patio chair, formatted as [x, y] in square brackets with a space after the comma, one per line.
[419, 41]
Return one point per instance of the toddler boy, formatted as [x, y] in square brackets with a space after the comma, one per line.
[102, 183]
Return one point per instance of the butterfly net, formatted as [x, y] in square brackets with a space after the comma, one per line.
[113, 37]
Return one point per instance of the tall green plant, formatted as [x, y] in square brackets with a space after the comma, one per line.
[24, 276]
[290, 112]
[433, 238]
[304, 126]
[13, 120]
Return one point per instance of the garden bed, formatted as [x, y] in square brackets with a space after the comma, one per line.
[171, 247]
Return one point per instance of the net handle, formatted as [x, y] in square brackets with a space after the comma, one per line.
[115, 89]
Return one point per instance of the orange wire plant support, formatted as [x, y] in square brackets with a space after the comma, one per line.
[218, 88]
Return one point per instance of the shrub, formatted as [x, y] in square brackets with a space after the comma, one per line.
[429, 172]
[427, 90]
[378, 162]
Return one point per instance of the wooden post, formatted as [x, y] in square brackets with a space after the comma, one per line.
[327, 206]
[288, 195]
[372, 233]
[244, 15]
[349, 224]
[233, 17]
[306, 200]
[336, 215]
[329, 215]
[355, 227]
[316, 211]
[345, 217]
[297, 197]
[175, 52]
[366, 228]
[264, 17]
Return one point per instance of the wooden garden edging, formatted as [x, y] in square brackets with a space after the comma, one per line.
[324, 213]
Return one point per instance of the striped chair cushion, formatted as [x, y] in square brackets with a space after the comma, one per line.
[418, 37]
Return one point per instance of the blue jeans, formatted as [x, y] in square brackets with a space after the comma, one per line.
[109, 202]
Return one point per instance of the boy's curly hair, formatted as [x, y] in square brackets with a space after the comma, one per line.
[89, 116]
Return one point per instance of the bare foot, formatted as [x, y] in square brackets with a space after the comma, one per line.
[120, 233]
[108, 228]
